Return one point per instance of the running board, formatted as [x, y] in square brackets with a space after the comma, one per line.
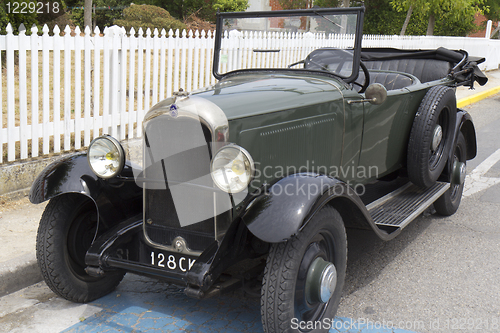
[400, 207]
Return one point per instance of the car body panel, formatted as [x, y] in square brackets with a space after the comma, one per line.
[283, 119]
[255, 94]
[385, 133]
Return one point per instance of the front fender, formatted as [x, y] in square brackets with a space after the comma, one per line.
[289, 204]
[116, 199]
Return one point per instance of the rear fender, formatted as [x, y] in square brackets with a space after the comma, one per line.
[116, 199]
[288, 206]
[466, 126]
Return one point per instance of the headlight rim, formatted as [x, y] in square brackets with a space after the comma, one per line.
[121, 157]
[248, 157]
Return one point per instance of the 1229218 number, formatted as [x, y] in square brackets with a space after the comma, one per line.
[30, 7]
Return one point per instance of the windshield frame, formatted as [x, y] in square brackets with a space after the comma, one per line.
[358, 11]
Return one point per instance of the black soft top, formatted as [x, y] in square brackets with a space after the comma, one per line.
[462, 68]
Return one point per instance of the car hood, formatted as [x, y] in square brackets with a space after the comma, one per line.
[252, 94]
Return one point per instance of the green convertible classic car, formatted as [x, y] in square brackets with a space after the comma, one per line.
[257, 177]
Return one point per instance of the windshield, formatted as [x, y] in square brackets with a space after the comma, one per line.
[325, 40]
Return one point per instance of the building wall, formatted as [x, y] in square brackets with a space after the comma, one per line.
[480, 21]
[258, 5]
[275, 5]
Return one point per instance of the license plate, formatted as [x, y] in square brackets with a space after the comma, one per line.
[171, 261]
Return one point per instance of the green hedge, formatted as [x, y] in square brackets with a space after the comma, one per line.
[146, 16]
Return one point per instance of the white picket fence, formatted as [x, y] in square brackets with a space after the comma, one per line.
[59, 92]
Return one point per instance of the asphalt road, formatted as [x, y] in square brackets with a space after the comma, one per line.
[440, 275]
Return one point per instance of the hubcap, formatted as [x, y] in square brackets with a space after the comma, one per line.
[437, 137]
[321, 281]
[458, 175]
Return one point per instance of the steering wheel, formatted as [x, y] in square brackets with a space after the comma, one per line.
[367, 78]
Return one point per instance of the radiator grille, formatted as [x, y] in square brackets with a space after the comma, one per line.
[177, 151]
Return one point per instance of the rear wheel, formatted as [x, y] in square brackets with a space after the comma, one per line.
[304, 276]
[449, 202]
[65, 233]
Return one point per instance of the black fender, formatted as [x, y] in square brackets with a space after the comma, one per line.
[466, 126]
[287, 206]
[116, 199]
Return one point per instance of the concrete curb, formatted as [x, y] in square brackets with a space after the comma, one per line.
[477, 97]
[15, 195]
[19, 176]
[19, 273]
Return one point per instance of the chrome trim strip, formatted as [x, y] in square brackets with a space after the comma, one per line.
[204, 111]
[215, 217]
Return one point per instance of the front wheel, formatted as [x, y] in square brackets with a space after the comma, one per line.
[65, 233]
[304, 276]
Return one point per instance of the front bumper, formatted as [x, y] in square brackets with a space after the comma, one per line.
[124, 248]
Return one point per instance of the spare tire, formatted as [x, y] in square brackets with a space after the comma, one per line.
[431, 136]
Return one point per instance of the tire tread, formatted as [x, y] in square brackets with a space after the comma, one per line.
[421, 128]
[276, 294]
[46, 247]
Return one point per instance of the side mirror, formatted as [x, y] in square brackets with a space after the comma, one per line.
[376, 93]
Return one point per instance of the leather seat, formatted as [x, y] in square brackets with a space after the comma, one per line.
[391, 81]
[424, 69]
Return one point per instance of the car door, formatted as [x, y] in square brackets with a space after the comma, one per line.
[386, 129]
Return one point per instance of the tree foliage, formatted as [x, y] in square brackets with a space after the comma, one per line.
[455, 16]
[4, 20]
[27, 18]
[295, 4]
[183, 8]
[6, 16]
[382, 19]
[491, 9]
[386, 17]
[204, 9]
[380, 16]
[146, 16]
[230, 5]
[327, 3]
[106, 12]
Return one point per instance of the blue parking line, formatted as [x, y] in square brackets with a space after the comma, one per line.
[163, 311]
[167, 312]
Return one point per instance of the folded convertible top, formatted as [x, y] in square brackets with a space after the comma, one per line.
[464, 68]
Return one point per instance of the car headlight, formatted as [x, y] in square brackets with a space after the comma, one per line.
[232, 169]
[106, 157]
